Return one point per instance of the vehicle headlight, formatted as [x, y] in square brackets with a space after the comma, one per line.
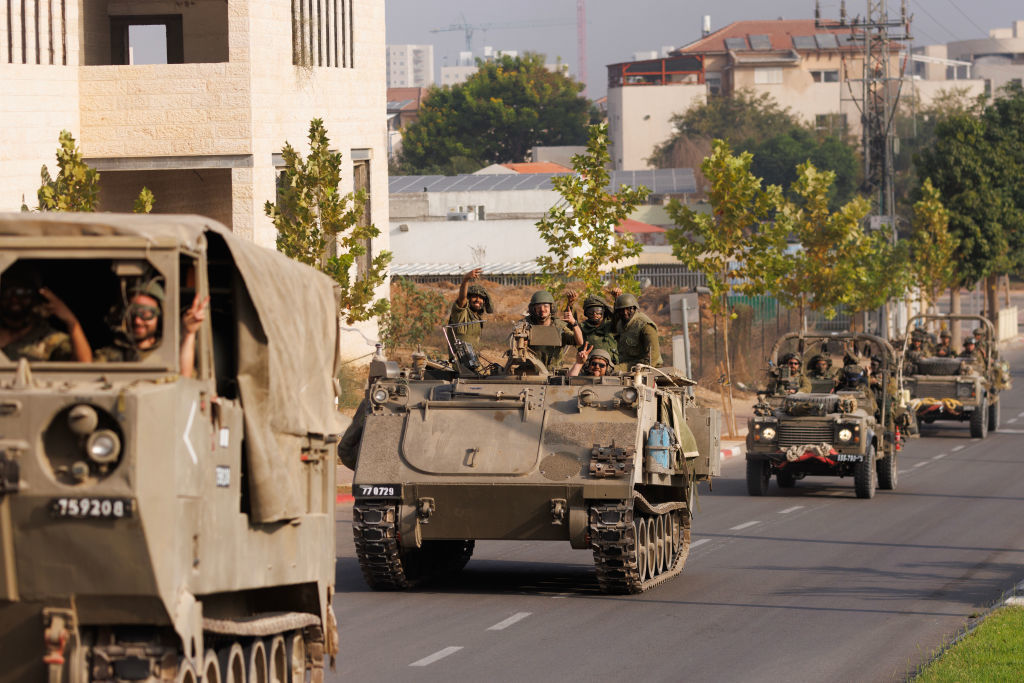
[629, 395]
[964, 390]
[380, 395]
[768, 433]
[845, 434]
[103, 447]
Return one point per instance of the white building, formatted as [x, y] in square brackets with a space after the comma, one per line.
[998, 59]
[203, 129]
[410, 66]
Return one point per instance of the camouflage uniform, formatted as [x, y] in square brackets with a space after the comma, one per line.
[41, 343]
[470, 334]
[638, 342]
[601, 336]
[551, 356]
[786, 382]
[122, 352]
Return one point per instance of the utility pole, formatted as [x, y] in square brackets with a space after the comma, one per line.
[880, 87]
[581, 43]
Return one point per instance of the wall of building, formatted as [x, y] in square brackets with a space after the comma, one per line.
[927, 92]
[504, 203]
[499, 241]
[39, 100]
[640, 117]
[206, 191]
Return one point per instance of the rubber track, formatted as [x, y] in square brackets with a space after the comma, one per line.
[376, 538]
[615, 557]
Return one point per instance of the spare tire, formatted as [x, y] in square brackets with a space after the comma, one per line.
[938, 366]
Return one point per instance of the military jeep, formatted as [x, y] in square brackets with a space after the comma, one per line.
[826, 432]
[961, 389]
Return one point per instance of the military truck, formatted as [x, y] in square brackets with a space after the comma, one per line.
[155, 526]
[825, 431]
[957, 388]
[456, 451]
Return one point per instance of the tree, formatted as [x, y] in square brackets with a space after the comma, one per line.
[320, 227]
[496, 116]
[414, 313]
[932, 245]
[77, 185]
[144, 202]
[580, 229]
[777, 158]
[725, 245]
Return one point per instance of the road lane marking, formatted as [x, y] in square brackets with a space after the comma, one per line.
[502, 625]
[902, 471]
[700, 542]
[940, 456]
[1011, 420]
[921, 464]
[744, 525]
[1020, 414]
[1010, 431]
[792, 509]
[957, 448]
[440, 654]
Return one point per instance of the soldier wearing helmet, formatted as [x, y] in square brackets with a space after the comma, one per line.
[598, 325]
[25, 331]
[855, 378]
[141, 327]
[821, 368]
[789, 377]
[970, 350]
[592, 362]
[637, 335]
[541, 310]
[468, 309]
[945, 346]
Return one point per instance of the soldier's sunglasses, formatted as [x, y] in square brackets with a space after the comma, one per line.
[142, 312]
[793, 362]
[598, 364]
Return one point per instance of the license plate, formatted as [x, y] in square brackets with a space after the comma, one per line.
[377, 491]
[91, 508]
[849, 457]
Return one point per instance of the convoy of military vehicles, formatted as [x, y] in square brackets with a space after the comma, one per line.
[169, 515]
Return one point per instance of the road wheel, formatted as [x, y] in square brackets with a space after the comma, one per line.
[640, 532]
[232, 664]
[296, 656]
[758, 475]
[256, 662]
[277, 660]
[785, 479]
[980, 420]
[864, 480]
[211, 668]
[993, 416]
[887, 472]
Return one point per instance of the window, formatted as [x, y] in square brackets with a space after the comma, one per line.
[361, 181]
[322, 33]
[767, 75]
[831, 124]
[713, 79]
[154, 39]
[825, 76]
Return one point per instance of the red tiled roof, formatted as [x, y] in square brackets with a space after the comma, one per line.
[637, 227]
[410, 96]
[538, 167]
[779, 31]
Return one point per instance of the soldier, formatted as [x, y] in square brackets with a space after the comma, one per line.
[540, 309]
[970, 350]
[141, 331]
[789, 379]
[598, 325]
[821, 368]
[469, 307]
[637, 335]
[592, 362]
[980, 336]
[945, 347]
[25, 332]
[916, 350]
[854, 378]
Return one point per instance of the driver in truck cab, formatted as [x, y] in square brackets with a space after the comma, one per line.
[25, 331]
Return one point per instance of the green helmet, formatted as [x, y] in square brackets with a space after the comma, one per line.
[602, 354]
[593, 301]
[479, 291]
[542, 297]
[979, 331]
[151, 288]
[626, 300]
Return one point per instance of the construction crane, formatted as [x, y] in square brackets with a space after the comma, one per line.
[469, 29]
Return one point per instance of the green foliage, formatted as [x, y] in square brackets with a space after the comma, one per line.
[76, 187]
[777, 139]
[580, 229]
[414, 313]
[144, 202]
[496, 116]
[709, 243]
[932, 245]
[320, 227]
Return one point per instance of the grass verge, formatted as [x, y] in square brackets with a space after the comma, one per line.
[994, 651]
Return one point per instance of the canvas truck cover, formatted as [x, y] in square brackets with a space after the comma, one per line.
[285, 375]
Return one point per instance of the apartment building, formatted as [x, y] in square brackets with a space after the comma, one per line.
[998, 60]
[203, 130]
[410, 66]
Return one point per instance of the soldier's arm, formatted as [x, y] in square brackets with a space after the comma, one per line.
[464, 287]
[653, 344]
[80, 348]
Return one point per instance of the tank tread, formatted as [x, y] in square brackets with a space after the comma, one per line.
[375, 532]
[614, 528]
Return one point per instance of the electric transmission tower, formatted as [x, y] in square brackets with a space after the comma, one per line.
[880, 86]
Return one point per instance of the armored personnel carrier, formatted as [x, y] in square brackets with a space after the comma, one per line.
[828, 429]
[456, 451]
[962, 389]
[168, 515]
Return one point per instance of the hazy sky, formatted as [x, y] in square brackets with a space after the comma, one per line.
[618, 28]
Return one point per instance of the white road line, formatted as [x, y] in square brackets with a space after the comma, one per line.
[902, 471]
[940, 456]
[1010, 431]
[699, 542]
[744, 525]
[1011, 420]
[502, 625]
[1020, 414]
[921, 464]
[440, 654]
[792, 509]
[957, 448]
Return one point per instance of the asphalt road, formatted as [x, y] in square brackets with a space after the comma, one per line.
[808, 584]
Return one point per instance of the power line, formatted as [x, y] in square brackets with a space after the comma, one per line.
[938, 23]
[966, 16]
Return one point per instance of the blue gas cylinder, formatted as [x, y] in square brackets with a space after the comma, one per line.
[659, 443]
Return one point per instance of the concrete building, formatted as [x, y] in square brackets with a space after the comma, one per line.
[410, 66]
[998, 59]
[203, 130]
